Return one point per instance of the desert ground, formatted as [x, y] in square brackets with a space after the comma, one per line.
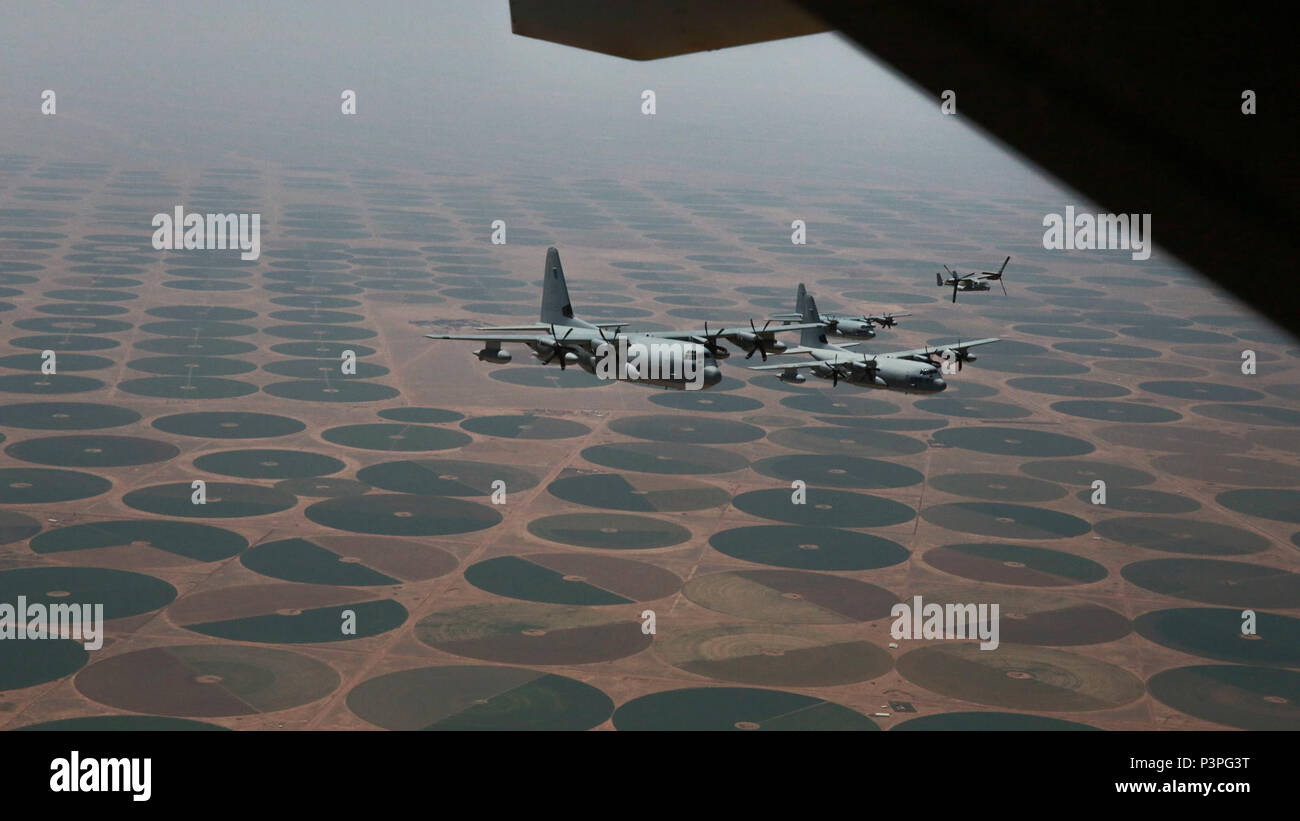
[371, 493]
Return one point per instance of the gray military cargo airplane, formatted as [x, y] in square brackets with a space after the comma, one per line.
[842, 324]
[974, 281]
[914, 371]
[682, 360]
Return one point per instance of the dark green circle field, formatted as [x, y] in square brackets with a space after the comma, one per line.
[808, 547]
[396, 437]
[610, 531]
[268, 464]
[823, 507]
[471, 697]
[189, 540]
[403, 514]
[43, 485]
[221, 500]
[736, 708]
[229, 425]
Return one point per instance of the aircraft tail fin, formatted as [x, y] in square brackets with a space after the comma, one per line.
[556, 307]
[812, 337]
[800, 298]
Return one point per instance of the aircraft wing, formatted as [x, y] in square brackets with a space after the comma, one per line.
[522, 338]
[535, 326]
[729, 334]
[854, 362]
[923, 354]
[799, 349]
[789, 366]
[649, 31]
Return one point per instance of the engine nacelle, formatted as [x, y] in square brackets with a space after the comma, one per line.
[793, 377]
[776, 346]
[496, 356]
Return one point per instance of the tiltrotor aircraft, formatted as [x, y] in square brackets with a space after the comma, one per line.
[974, 281]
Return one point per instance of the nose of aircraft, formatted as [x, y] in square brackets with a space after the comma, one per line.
[712, 375]
[938, 384]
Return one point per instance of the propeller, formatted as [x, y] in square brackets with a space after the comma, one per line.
[960, 355]
[870, 367]
[963, 355]
[758, 340]
[998, 275]
[887, 321]
[710, 340]
[559, 347]
[954, 291]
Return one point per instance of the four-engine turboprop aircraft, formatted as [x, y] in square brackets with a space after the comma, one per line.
[842, 324]
[974, 281]
[683, 360]
[914, 371]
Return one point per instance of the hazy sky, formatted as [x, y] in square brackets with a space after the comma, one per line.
[446, 85]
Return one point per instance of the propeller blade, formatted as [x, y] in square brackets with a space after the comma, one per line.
[1003, 283]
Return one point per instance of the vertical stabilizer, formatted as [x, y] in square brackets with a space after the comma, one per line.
[556, 308]
[811, 337]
